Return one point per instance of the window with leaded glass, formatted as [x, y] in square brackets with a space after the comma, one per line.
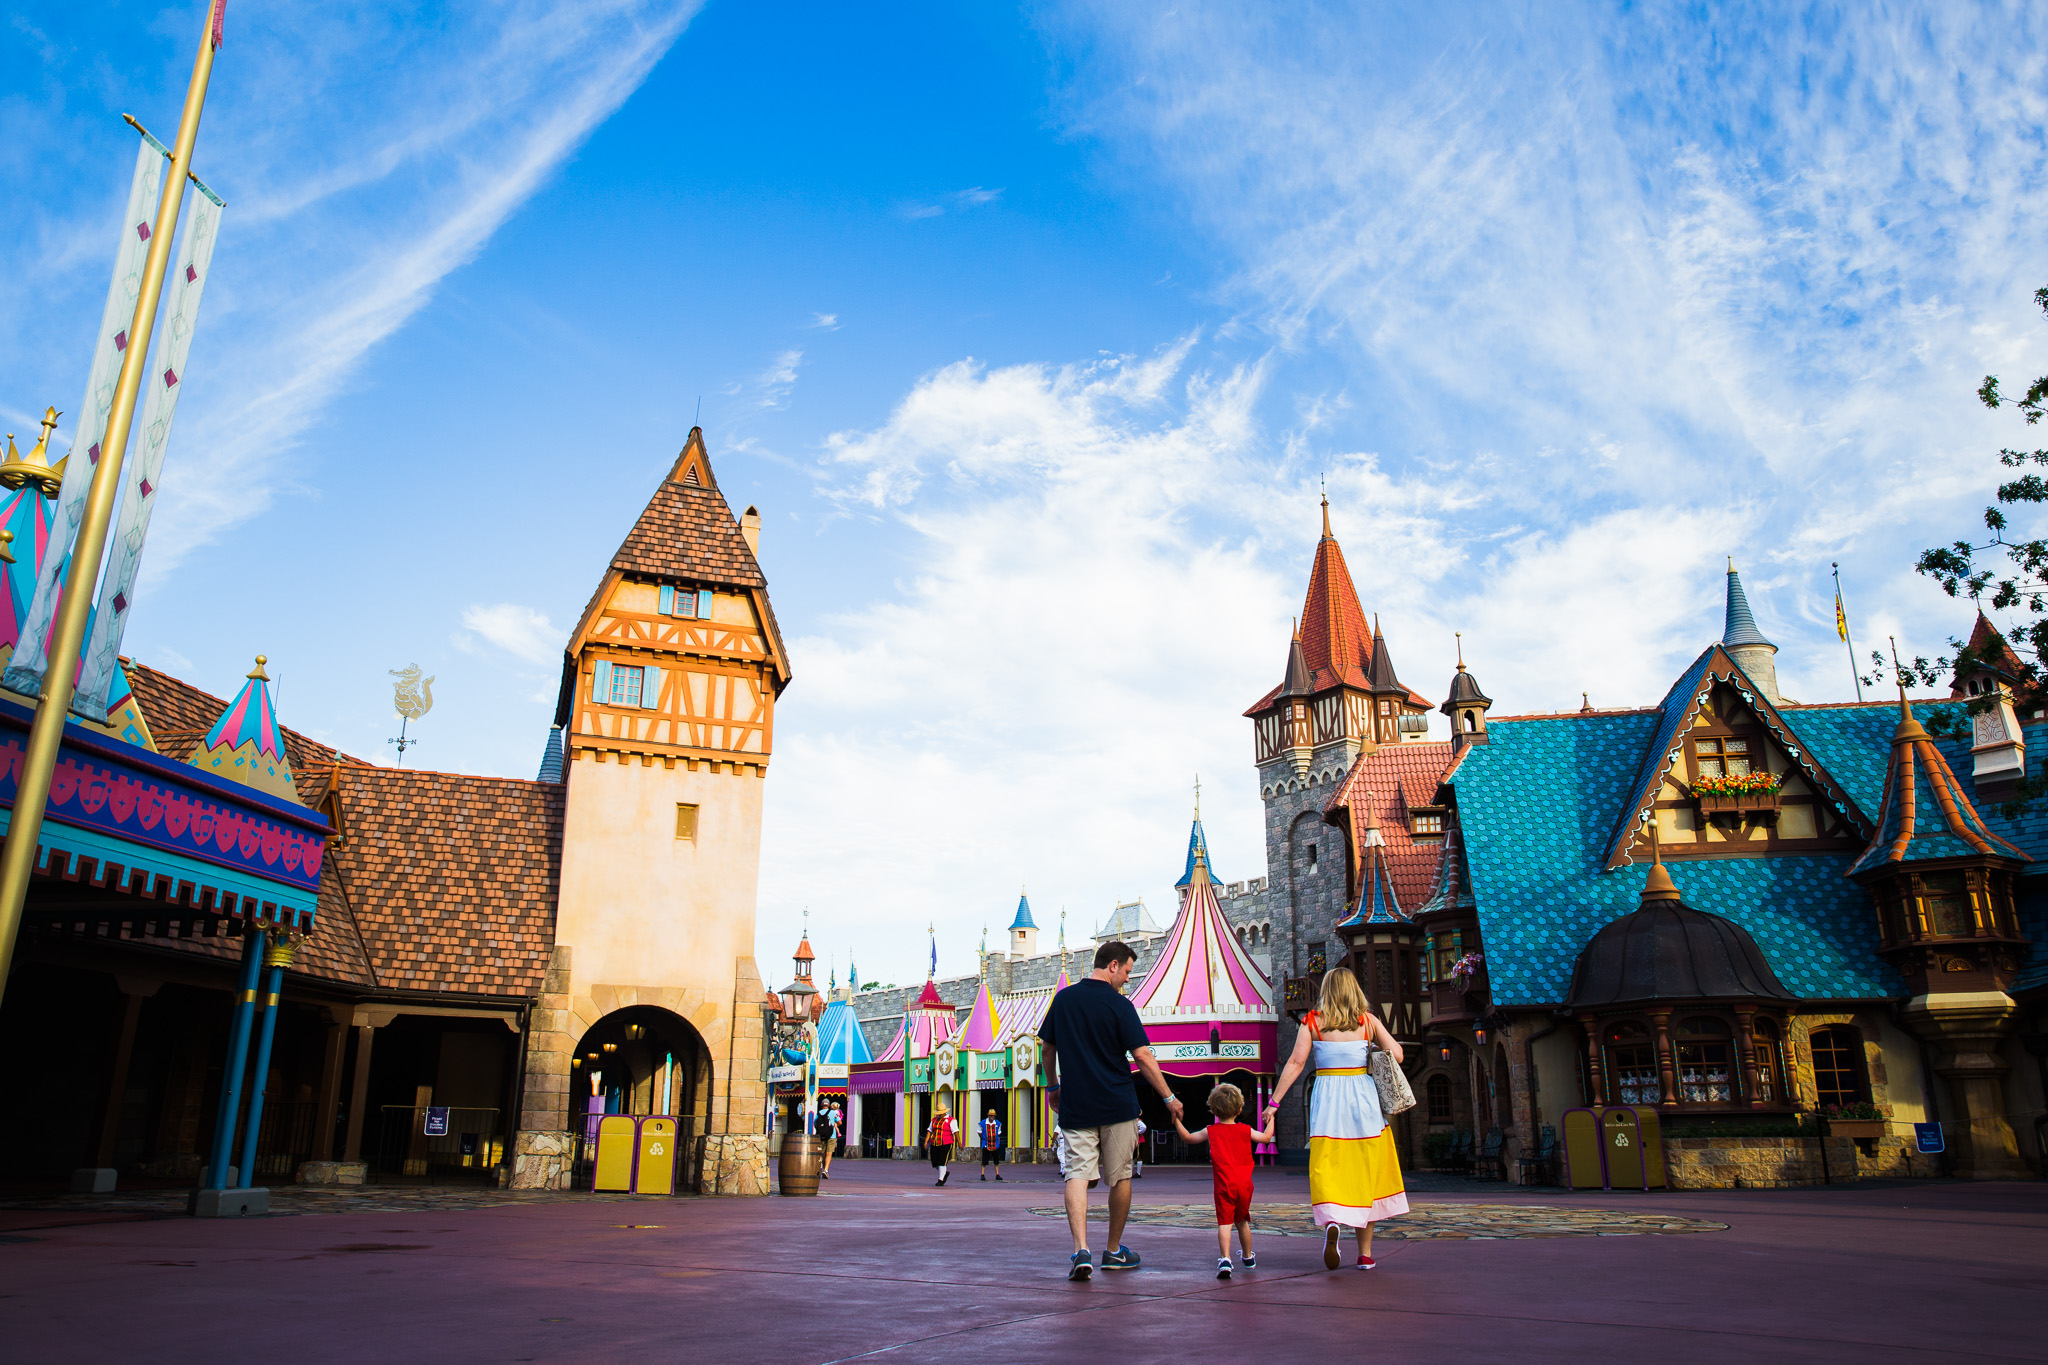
[1838, 1065]
[1439, 1091]
[1769, 1059]
[626, 681]
[1946, 897]
[1632, 1065]
[1728, 757]
[1706, 1062]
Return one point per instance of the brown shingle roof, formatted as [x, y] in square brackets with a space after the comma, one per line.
[687, 531]
[452, 878]
[441, 882]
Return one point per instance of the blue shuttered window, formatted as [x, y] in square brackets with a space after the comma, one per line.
[704, 603]
[601, 681]
[626, 679]
[668, 600]
[650, 689]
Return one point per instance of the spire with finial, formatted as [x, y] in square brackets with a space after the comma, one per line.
[1658, 886]
[1754, 654]
[246, 744]
[1466, 705]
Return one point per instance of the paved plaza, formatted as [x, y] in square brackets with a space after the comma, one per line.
[882, 1265]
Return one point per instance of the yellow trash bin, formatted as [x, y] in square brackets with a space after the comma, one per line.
[656, 1172]
[615, 1143]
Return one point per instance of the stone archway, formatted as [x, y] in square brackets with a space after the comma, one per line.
[641, 1059]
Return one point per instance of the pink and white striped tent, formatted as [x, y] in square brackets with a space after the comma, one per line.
[1205, 1004]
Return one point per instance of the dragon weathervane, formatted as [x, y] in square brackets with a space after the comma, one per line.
[412, 696]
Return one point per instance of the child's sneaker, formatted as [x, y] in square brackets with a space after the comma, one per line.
[1222, 1267]
[1366, 1263]
[1250, 1261]
[1331, 1260]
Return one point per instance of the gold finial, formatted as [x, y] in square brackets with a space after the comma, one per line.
[1460, 635]
[257, 672]
[1909, 728]
[1326, 514]
[6, 547]
[1658, 886]
[1586, 700]
[19, 470]
[1731, 563]
[1198, 796]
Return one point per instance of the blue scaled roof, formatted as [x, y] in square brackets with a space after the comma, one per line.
[839, 1035]
[1198, 840]
[1537, 806]
[1023, 920]
[1377, 903]
[1740, 628]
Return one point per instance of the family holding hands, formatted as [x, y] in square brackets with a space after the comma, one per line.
[1354, 1170]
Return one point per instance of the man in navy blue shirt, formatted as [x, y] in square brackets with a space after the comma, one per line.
[1090, 1034]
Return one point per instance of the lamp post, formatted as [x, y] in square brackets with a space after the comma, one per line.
[67, 636]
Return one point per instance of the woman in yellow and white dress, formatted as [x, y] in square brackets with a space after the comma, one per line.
[1354, 1170]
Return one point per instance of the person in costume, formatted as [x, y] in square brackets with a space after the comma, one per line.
[991, 1144]
[1230, 1167]
[1354, 1170]
[939, 1139]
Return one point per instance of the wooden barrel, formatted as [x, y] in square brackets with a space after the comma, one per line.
[803, 1155]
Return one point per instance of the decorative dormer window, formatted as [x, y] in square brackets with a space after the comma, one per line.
[1426, 822]
[1719, 758]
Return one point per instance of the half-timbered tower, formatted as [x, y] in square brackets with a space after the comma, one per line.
[667, 713]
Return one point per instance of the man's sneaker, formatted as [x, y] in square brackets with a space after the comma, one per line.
[1250, 1261]
[1222, 1267]
[1080, 1266]
[999, 1175]
[1366, 1263]
[984, 1178]
[1123, 1258]
[1331, 1260]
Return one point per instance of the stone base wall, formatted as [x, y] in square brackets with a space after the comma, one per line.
[732, 1164]
[1760, 1163]
[543, 1160]
[332, 1172]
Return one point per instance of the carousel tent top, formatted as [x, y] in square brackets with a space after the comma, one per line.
[1204, 971]
[983, 1030]
[839, 1035]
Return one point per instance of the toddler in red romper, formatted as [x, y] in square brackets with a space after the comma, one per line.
[1230, 1162]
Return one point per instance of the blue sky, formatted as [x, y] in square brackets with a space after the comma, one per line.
[1032, 332]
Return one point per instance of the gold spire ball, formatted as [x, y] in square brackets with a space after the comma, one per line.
[35, 467]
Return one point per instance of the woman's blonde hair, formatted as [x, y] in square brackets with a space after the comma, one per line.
[1226, 1101]
[1341, 1006]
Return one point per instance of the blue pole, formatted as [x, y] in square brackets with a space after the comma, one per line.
[238, 1054]
[275, 960]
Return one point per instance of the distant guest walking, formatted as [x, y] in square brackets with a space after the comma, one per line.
[939, 1139]
[1091, 1034]
[1354, 1171]
[828, 1131]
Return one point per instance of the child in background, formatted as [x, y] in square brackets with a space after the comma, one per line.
[1230, 1163]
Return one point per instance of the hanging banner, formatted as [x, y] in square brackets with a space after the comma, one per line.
[142, 476]
[25, 670]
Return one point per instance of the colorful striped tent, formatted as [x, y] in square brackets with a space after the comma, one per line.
[1206, 1005]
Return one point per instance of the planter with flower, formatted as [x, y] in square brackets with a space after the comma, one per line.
[1465, 969]
[1738, 794]
[1861, 1120]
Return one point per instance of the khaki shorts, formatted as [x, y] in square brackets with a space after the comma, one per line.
[1100, 1153]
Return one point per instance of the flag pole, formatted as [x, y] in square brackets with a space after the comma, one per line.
[1842, 621]
[67, 636]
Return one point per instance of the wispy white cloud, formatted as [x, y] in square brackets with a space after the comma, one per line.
[958, 201]
[827, 322]
[518, 630]
[1613, 270]
[774, 384]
